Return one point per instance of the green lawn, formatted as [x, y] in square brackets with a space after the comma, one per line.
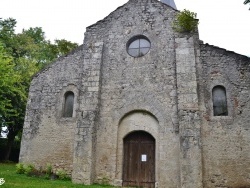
[13, 180]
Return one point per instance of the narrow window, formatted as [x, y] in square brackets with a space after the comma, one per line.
[220, 101]
[68, 104]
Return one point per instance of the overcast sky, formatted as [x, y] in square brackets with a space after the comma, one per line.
[222, 23]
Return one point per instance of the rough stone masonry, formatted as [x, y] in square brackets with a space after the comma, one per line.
[139, 104]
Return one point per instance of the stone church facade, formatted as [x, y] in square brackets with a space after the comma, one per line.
[139, 104]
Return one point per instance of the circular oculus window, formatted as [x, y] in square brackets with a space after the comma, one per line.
[138, 46]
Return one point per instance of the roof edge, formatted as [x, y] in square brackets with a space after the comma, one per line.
[105, 18]
[77, 49]
[223, 49]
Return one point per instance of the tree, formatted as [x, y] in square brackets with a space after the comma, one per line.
[44, 52]
[63, 47]
[12, 96]
[21, 56]
[32, 44]
[8, 82]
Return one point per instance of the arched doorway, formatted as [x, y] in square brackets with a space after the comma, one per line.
[139, 160]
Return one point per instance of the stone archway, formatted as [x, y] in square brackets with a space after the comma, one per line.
[136, 121]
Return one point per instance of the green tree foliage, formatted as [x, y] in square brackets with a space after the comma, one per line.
[9, 83]
[21, 56]
[42, 50]
[185, 22]
[63, 47]
[13, 97]
[7, 32]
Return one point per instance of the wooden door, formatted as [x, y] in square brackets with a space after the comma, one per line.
[139, 160]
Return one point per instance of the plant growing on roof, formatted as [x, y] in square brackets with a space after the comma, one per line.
[185, 22]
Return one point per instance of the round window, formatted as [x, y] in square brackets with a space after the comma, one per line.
[138, 46]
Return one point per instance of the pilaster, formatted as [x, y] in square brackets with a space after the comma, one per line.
[188, 112]
[84, 144]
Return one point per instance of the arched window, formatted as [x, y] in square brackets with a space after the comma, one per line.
[68, 104]
[220, 101]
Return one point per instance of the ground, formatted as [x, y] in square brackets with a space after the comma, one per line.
[14, 180]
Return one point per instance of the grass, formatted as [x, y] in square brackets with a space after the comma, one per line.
[13, 180]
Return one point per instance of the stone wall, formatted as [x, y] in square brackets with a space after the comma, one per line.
[187, 52]
[47, 135]
[89, 104]
[166, 93]
[225, 139]
[136, 85]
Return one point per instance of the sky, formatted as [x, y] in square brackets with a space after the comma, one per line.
[225, 24]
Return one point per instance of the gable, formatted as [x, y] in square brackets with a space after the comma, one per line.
[135, 10]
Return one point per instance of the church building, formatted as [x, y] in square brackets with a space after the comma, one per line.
[139, 104]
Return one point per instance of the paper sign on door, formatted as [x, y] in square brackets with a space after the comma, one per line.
[143, 158]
